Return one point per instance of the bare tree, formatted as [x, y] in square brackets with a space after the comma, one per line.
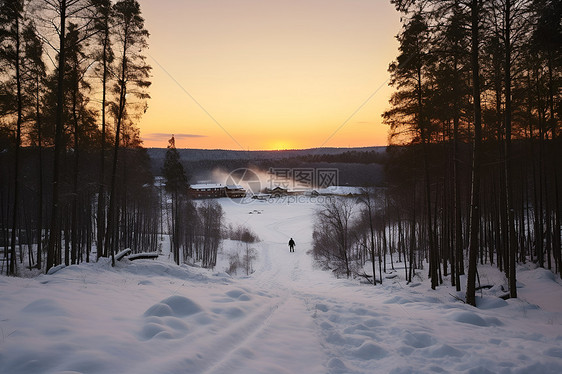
[369, 202]
[332, 234]
[211, 216]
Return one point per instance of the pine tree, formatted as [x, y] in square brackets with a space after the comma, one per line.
[63, 11]
[410, 112]
[176, 185]
[105, 57]
[475, 210]
[82, 119]
[35, 86]
[546, 47]
[11, 51]
[133, 73]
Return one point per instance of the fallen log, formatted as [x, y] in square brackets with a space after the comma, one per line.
[122, 254]
[143, 255]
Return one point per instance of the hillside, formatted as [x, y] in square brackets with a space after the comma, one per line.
[151, 316]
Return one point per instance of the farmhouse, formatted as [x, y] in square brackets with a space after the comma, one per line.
[206, 190]
[277, 191]
[215, 190]
[235, 190]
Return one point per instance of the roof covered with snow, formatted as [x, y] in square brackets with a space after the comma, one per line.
[202, 186]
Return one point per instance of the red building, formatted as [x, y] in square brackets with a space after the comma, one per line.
[206, 190]
[235, 190]
[215, 190]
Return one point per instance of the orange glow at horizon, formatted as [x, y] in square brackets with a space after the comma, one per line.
[268, 75]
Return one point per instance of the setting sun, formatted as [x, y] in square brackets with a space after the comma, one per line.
[237, 75]
[279, 146]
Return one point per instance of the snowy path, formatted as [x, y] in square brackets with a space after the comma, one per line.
[289, 334]
[287, 317]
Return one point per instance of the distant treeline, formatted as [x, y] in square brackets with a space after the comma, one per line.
[348, 157]
[353, 174]
[224, 154]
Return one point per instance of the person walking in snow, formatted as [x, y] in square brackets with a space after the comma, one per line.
[291, 245]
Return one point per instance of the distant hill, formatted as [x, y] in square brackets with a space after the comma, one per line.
[189, 154]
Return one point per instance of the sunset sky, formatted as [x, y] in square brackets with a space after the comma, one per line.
[268, 74]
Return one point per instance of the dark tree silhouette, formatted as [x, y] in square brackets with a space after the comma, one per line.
[176, 185]
[133, 75]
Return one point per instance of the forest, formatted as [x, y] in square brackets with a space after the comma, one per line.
[473, 170]
[75, 179]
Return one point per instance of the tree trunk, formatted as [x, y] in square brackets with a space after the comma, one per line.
[475, 184]
[40, 193]
[111, 225]
[74, 213]
[511, 239]
[54, 232]
[372, 239]
[101, 187]
[12, 263]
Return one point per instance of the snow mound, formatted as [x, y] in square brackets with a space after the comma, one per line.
[164, 328]
[445, 350]
[491, 303]
[474, 319]
[230, 313]
[152, 330]
[45, 307]
[419, 340]
[370, 351]
[164, 320]
[159, 310]
[373, 322]
[337, 366]
[177, 306]
[544, 274]
[55, 269]
[239, 295]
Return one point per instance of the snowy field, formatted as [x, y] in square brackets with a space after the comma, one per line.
[150, 316]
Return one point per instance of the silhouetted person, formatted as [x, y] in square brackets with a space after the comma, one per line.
[291, 245]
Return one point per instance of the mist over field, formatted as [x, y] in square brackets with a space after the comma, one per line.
[356, 166]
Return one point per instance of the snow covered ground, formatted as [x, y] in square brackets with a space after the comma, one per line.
[150, 316]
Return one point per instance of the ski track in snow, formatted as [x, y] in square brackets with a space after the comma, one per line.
[287, 317]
